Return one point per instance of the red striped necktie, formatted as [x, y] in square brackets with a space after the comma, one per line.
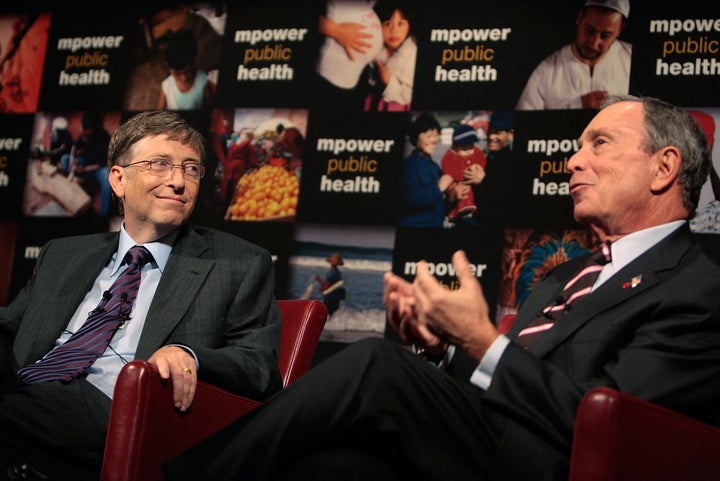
[578, 287]
[75, 355]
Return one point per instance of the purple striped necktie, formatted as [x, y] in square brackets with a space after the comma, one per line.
[578, 287]
[75, 355]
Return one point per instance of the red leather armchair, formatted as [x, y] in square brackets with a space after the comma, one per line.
[622, 438]
[619, 437]
[145, 430]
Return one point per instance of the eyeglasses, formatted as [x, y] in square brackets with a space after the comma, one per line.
[163, 168]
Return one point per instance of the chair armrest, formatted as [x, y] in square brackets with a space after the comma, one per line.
[622, 438]
[303, 322]
[146, 429]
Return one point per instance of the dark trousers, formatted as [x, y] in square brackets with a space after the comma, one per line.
[372, 411]
[56, 428]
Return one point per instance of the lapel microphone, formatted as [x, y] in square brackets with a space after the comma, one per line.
[106, 296]
[556, 302]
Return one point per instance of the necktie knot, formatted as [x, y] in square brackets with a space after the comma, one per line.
[137, 257]
[602, 255]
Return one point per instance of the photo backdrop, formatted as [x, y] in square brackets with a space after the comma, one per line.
[306, 146]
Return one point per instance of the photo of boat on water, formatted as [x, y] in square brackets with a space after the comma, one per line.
[358, 297]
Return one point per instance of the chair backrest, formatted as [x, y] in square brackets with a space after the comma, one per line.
[302, 323]
[620, 437]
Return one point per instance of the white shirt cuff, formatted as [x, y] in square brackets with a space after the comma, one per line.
[482, 376]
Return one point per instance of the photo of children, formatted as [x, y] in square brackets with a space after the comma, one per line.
[178, 55]
[462, 159]
[259, 155]
[456, 190]
[388, 79]
[67, 171]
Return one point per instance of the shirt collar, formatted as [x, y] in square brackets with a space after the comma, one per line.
[159, 249]
[629, 247]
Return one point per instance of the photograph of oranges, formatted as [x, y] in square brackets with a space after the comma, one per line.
[267, 193]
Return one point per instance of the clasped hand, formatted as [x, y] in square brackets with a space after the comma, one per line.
[431, 316]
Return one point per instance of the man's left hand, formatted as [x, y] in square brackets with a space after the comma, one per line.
[173, 362]
[460, 316]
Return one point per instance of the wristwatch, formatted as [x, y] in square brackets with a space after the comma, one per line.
[433, 358]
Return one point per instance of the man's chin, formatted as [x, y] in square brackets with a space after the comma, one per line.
[589, 56]
[581, 217]
[171, 220]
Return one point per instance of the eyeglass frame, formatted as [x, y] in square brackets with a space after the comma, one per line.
[168, 164]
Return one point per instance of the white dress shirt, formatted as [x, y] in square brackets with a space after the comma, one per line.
[104, 371]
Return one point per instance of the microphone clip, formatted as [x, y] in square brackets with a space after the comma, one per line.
[106, 296]
[124, 316]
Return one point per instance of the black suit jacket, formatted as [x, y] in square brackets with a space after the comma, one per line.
[216, 296]
[652, 330]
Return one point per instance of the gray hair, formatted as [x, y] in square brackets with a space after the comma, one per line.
[668, 125]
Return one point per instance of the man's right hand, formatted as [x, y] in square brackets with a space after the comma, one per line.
[399, 300]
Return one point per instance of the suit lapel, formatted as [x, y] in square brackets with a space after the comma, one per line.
[183, 277]
[636, 277]
[47, 319]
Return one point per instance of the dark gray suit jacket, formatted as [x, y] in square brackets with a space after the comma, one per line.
[215, 296]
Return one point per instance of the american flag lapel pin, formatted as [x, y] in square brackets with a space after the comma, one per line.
[634, 282]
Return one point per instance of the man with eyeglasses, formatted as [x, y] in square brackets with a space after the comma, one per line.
[205, 309]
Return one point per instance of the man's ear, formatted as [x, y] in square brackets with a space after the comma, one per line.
[667, 168]
[117, 180]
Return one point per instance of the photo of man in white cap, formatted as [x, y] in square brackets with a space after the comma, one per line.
[583, 73]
